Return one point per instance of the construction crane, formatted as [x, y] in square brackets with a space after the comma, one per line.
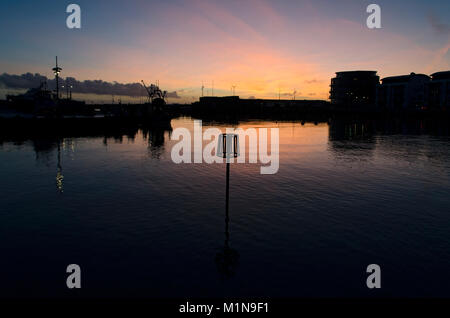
[155, 94]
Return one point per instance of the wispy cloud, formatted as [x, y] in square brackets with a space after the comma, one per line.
[437, 24]
[258, 45]
[313, 81]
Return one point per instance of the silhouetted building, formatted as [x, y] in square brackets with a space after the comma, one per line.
[439, 91]
[405, 92]
[219, 101]
[354, 89]
[233, 105]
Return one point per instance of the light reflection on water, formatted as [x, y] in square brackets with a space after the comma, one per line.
[346, 195]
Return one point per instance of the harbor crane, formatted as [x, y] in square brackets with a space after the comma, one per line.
[155, 94]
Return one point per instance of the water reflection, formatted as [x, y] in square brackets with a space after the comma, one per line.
[359, 139]
[45, 142]
[59, 175]
[156, 140]
[126, 204]
[358, 129]
[351, 140]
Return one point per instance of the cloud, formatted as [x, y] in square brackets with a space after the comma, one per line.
[437, 25]
[291, 94]
[441, 57]
[313, 81]
[29, 80]
[173, 94]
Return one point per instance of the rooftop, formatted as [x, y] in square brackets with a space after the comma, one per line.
[441, 75]
[351, 73]
[401, 78]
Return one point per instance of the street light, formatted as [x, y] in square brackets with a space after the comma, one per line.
[56, 70]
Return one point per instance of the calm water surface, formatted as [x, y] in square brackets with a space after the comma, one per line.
[346, 195]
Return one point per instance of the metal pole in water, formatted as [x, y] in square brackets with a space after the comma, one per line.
[227, 218]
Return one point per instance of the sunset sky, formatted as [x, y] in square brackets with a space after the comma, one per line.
[260, 46]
